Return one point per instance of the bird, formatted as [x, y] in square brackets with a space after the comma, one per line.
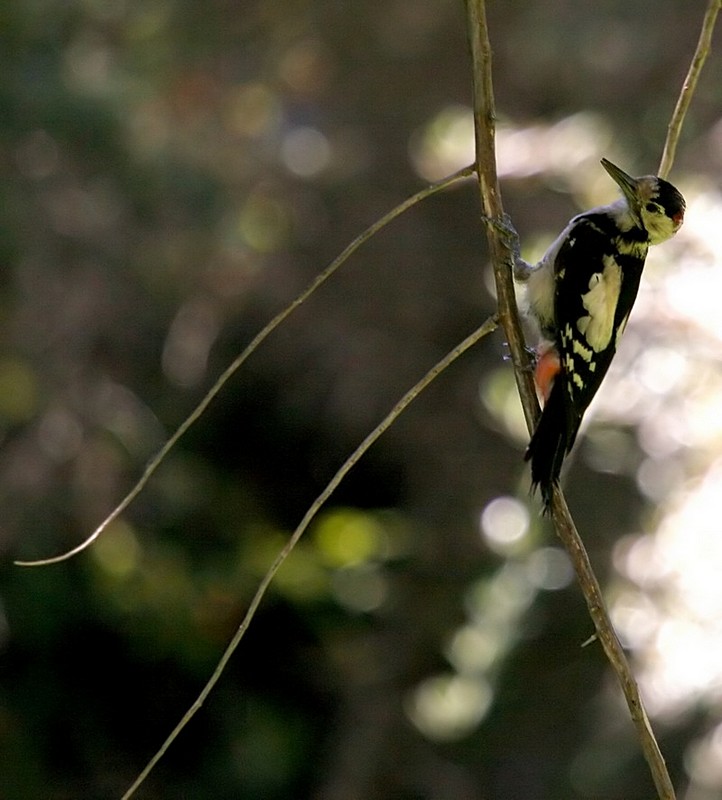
[579, 297]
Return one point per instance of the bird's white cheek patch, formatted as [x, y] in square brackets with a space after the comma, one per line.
[601, 303]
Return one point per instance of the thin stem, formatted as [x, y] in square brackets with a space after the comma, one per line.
[232, 368]
[484, 117]
[381, 428]
[704, 46]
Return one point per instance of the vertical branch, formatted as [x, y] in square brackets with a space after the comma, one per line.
[704, 46]
[484, 122]
[492, 209]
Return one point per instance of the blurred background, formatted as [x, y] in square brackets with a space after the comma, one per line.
[173, 174]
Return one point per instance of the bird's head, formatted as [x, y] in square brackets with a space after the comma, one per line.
[655, 204]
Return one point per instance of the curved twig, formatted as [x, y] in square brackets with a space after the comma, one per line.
[381, 428]
[232, 368]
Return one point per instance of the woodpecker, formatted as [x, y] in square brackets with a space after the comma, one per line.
[580, 295]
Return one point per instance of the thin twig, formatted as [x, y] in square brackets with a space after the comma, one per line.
[381, 428]
[484, 116]
[231, 370]
[704, 46]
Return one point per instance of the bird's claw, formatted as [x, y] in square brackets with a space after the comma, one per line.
[508, 232]
[531, 352]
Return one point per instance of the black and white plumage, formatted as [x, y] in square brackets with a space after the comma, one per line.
[580, 294]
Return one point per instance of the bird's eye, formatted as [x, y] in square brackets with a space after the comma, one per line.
[652, 208]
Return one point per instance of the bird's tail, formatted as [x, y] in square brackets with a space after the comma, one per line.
[549, 444]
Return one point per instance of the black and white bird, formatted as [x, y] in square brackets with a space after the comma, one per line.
[580, 295]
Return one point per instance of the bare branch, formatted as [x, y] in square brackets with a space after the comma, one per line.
[491, 202]
[704, 46]
[493, 211]
[567, 532]
[485, 329]
[232, 368]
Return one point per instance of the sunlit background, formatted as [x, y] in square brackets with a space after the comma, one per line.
[173, 175]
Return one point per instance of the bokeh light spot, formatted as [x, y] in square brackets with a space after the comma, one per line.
[189, 340]
[305, 67]
[60, 434]
[305, 151]
[361, 588]
[504, 524]
[263, 223]
[117, 552]
[445, 144]
[253, 110]
[703, 762]
[549, 568]
[302, 577]
[18, 391]
[500, 398]
[448, 707]
[346, 537]
[474, 648]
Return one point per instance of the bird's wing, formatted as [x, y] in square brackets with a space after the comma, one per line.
[589, 284]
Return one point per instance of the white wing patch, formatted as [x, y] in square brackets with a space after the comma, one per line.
[582, 351]
[601, 303]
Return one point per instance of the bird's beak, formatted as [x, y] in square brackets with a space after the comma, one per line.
[626, 183]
